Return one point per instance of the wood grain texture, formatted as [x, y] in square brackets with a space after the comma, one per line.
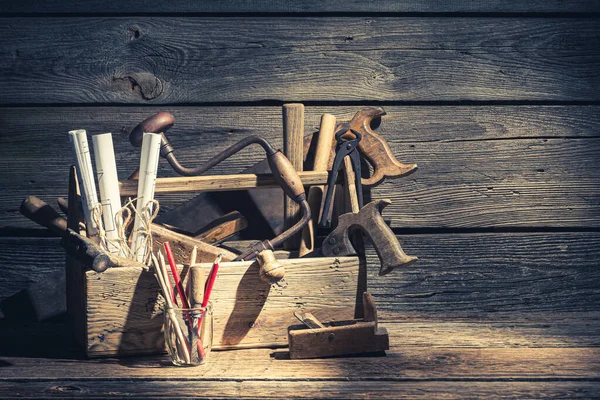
[124, 311]
[312, 6]
[339, 389]
[21, 264]
[541, 330]
[400, 364]
[427, 359]
[174, 60]
[472, 275]
[293, 148]
[212, 183]
[460, 276]
[483, 166]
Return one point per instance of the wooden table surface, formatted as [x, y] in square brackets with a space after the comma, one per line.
[538, 358]
[498, 102]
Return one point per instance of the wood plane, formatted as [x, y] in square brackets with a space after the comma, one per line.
[314, 339]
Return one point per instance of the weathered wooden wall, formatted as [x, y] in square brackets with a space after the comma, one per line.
[497, 101]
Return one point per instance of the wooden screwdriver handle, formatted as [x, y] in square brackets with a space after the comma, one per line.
[38, 211]
[83, 248]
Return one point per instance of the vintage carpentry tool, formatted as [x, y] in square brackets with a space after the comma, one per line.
[375, 148]
[343, 148]
[264, 207]
[370, 221]
[214, 232]
[315, 339]
[77, 245]
[40, 212]
[271, 270]
[283, 173]
[315, 193]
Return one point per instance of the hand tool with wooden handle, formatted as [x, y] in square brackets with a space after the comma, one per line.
[214, 232]
[79, 246]
[344, 149]
[40, 212]
[375, 149]
[182, 245]
[282, 170]
[370, 221]
[271, 270]
[315, 193]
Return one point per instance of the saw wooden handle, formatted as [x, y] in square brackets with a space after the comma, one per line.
[376, 150]
[370, 221]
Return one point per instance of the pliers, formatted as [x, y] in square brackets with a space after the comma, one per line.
[343, 148]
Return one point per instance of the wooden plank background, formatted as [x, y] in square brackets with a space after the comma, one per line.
[497, 102]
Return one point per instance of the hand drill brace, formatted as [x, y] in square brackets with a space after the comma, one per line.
[283, 173]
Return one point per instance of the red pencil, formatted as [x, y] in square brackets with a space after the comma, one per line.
[176, 277]
[181, 292]
[211, 280]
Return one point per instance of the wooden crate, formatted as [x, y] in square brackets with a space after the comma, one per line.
[119, 311]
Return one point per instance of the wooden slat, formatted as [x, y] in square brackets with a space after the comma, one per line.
[174, 60]
[210, 183]
[26, 260]
[470, 275]
[124, 312]
[484, 166]
[341, 389]
[547, 330]
[556, 331]
[458, 276]
[399, 364]
[312, 6]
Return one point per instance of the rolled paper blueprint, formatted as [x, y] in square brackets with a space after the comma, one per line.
[85, 174]
[145, 194]
[108, 183]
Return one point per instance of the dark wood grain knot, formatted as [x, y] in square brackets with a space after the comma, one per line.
[66, 388]
[143, 84]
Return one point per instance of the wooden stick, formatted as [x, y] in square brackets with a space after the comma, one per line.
[352, 195]
[165, 274]
[220, 183]
[160, 269]
[193, 256]
[184, 301]
[293, 148]
[315, 193]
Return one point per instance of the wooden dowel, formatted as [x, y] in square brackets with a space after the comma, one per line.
[315, 193]
[351, 190]
[220, 183]
[160, 269]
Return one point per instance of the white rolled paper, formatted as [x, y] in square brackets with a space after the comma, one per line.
[108, 183]
[85, 174]
[147, 182]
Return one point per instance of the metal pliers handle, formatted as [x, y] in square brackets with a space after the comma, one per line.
[343, 148]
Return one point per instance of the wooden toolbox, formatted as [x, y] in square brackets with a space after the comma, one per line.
[119, 311]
